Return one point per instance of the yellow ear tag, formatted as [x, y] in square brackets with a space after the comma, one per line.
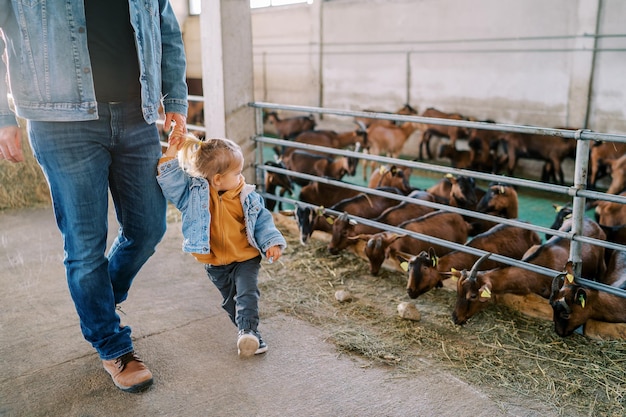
[570, 278]
[381, 170]
[501, 190]
[434, 261]
[486, 293]
[449, 176]
[404, 266]
[454, 277]
[581, 298]
[330, 220]
[558, 208]
[320, 210]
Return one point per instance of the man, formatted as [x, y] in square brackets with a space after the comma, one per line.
[89, 78]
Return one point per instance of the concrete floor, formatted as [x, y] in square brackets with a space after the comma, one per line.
[189, 344]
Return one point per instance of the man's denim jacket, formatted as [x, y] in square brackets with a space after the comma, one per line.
[50, 69]
[190, 195]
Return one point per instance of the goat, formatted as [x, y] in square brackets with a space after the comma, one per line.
[428, 130]
[388, 140]
[458, 159]
[368, 121]
[618, 175]
[552, 149]
[573, 305]
[320, 165]
[459, 191]
[329, 139]
[290, 127]
[310, 220]
[427, 271]
[391, 176]
[483, 145]
[601, 155]
[499, 200]
[439, 224]
[562, 213]
[475, 289]
[344, 228]
[611, 214]
[274, 181]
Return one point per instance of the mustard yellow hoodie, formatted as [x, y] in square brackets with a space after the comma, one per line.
[228, 231]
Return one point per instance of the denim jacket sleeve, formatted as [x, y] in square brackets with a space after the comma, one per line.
[190, 195]
[260, 223]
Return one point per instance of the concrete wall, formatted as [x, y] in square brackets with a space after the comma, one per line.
[512, 61]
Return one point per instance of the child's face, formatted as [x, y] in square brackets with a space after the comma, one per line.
[229, 180]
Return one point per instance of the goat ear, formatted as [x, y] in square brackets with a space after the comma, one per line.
[362, 236]
[484, 293]
[581, 297]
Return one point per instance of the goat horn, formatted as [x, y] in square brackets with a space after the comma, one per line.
[474, 270]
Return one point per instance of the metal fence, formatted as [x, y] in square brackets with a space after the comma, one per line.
[577, 191]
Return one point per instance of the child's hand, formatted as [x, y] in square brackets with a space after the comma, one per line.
[273, 254]
[175, 142]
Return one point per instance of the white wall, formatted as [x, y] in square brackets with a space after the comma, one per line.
[456, 55]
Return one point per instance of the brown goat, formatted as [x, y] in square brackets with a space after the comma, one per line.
[391, 176]
[320, 165]
[387, 140]
[344, 229]
[474, 290]
[428, 130]
[611, 214]
[438, 224]
[327, 138]
[483, 145]
[368, 121]
[459, 191]
[551, 149]
[275, 181]
[427, 270]
[500, 200]
[573, 305]
[601, 155]
[458, 159]
[360, 204]
[290, 127]
[618, 175]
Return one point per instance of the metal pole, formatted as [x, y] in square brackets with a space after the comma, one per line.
[578, 202]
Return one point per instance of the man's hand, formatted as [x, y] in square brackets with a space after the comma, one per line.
[180, 123]
[11, 144]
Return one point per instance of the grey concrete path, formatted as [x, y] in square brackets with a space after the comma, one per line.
[189, 344]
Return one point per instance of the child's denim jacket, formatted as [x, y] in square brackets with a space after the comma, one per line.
[190, 195]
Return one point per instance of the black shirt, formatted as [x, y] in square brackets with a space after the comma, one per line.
[112, 50]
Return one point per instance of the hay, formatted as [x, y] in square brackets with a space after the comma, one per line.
[23, 184]
[500, 350]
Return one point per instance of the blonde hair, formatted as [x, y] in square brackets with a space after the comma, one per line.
[209, 157]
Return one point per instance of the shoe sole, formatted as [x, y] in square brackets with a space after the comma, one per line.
[141, 387]
[261, 350]
[247, 345]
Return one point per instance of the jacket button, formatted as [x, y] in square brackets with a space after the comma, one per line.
[81, 30]
[91, 110]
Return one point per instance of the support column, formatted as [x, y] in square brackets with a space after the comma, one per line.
[582, 68]
[227, 74]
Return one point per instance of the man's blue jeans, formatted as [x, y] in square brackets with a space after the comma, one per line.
[82, 161]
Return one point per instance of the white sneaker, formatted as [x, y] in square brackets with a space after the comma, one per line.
[247, 343]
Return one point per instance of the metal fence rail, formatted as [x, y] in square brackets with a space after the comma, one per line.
[577, 191]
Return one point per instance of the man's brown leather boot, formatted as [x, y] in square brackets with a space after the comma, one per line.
[129, 373]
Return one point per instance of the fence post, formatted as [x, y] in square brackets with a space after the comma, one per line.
[578, 203]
